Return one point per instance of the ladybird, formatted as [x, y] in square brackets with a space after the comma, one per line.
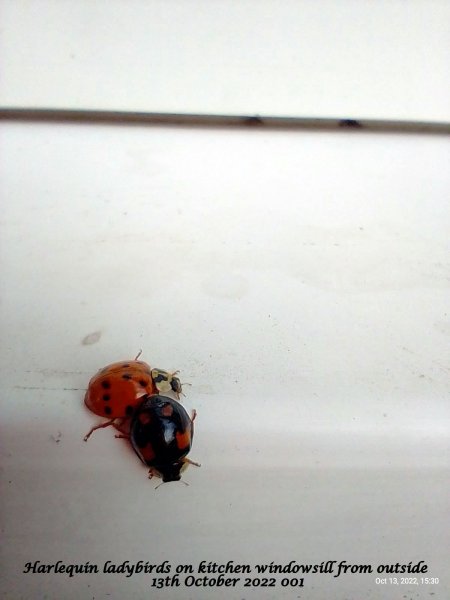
[161, 434]
[116, 390]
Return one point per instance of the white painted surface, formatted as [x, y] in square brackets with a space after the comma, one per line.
[300, 282]
[386, 59]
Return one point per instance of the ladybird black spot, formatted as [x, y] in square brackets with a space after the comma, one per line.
[106, 397]
[127, 376]
[108, 410]
[143, 382]
[106, 385]
[129, 411]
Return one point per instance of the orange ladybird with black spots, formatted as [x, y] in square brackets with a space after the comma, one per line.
[117, 389]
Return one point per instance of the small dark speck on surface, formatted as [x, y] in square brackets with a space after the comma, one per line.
[253, 121]
[350, 123]
[91, 338]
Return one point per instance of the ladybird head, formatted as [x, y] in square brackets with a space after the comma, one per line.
[170, 472]
[166, 382]
[161, 380]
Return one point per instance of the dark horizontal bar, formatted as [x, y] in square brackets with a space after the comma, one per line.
[204, 120]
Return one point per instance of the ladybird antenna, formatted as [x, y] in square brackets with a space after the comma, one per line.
[182, 386]
[138, 354]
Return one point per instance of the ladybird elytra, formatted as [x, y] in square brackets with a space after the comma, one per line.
[116, 390]
[163, 423]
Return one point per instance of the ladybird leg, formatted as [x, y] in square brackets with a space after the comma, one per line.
[190, 462]
[122, 436]
[100, 426]
[152, 473]
[193, 414]
[120, 424]
[181, 393]
[138, 354]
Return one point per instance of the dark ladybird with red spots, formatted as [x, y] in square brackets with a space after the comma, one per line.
[161, 434]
